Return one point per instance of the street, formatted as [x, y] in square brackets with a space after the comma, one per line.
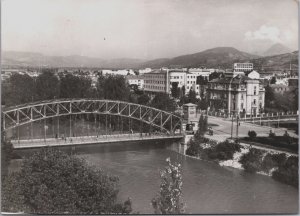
[223, 130]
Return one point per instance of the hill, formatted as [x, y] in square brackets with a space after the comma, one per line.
[277, 49]
[25, 59]
[277, 63]
[222, 57]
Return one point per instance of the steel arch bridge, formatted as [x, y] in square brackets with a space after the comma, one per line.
[16, 116]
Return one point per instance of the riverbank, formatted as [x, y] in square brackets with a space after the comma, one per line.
[207, 187]
[282, 167]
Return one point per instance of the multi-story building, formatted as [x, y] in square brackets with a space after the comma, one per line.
[146, 70]
[203, 71]
[242, 67]
[136, 80]
[156, 81]
[183, 78]
[118, 72]
[239, 94]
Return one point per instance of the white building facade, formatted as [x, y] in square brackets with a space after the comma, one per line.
[136, 80]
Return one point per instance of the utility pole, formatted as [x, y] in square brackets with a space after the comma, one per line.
[231, 125]
[237, 128]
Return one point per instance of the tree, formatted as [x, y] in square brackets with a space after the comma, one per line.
[143, 99]
[113, 88]
[273, 80]
[6, 153]
[202, 104]
[251, 134]
[269, 97]
[75, 87]
[164, 102]
[295, 98]
[252, 161]
[214, 75]
[202, 125]
[47, 85]
[205, 123]
[192, 96]
[169, 199]
[175, 90]
[52, 182]
[20, 90]
[183, 90]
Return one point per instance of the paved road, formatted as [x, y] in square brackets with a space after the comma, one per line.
[223, 130]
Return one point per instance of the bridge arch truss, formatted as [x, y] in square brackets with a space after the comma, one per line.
[13, 117]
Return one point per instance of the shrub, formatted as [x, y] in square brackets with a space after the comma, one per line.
[279, 159]
[194, 148]
[288, 172]
[168, 201]
[272, 134]
[224, 151]
[252, 161]
[52, 182]
[252, 134]
[268, 163]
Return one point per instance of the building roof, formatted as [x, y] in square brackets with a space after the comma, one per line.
[157, 72]
[189, 104]
[227, 80]
[134, 77]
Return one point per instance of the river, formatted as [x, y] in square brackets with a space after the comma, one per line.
[207, 187]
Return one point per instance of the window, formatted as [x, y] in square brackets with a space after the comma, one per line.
[242, 97]
[254, 101]
[242, 105]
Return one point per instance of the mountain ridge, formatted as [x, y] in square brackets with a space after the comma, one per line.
[219, 57]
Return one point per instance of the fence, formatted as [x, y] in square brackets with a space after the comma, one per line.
[249, 117]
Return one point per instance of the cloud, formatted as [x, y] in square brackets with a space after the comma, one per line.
[265, 33]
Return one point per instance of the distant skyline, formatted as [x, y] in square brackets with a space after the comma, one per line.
[146, 29]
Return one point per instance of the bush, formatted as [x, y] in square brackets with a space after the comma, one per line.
[194, 148]
[288, 172]
[252, 161]
[252, 134]
[169, 200]
[52, 182]
[272, 134]
[224, 151]
[279, 159]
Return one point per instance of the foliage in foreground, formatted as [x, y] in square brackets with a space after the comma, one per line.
[52, 182]
[169, 199]
[252, 161]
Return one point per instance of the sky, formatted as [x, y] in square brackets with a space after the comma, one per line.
[146, 29]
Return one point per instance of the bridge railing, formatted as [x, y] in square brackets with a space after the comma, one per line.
[88, 140]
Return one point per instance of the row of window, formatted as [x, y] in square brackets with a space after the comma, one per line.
[154, 82]
[233, 96]
[154, 87]
[150, 76]
[181, 77]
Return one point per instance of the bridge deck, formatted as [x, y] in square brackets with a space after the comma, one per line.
[86, 140]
